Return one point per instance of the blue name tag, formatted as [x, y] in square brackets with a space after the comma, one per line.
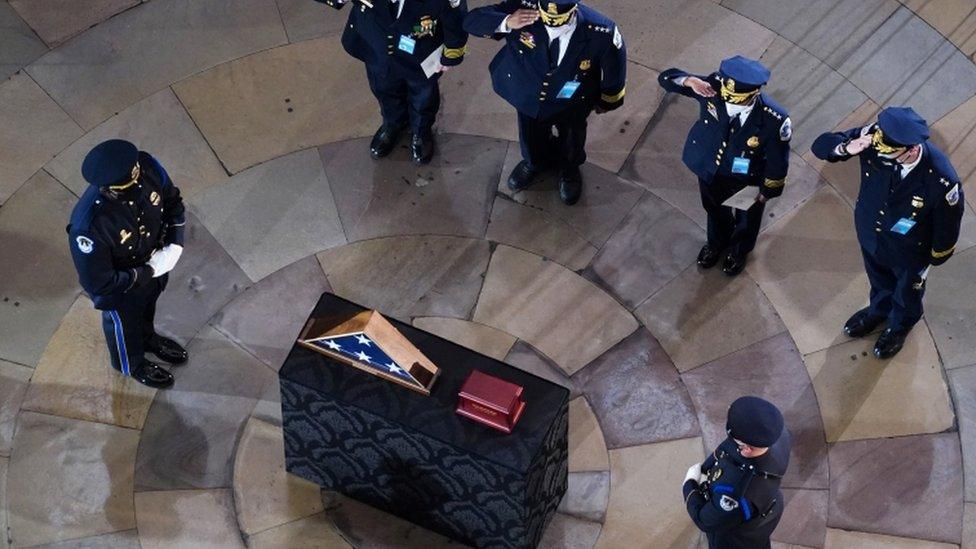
[740, 165]
[903, 226]
[408, 44]
[568, 90]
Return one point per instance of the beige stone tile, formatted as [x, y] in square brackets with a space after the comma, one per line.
[645, 496]
[314, 532]
[704, 315]
[366, 527]
[809, 265]
[567, 532]
[844, 539]
[143, 50]
[863, 397]
[587, 449]
[586, 496]
[126, 539]
[477, 337]
[13, 387]
[470, 104]
[158, 125]
[555, 310]
[187, 519]
[845, 177]
[969, 526]
[55, 21]
[950, 309]
[611, 136]
[75, 379]
[19, 45]
[4, 463]
[33, 128]
[265, 495]
[538, 232]
[955, 134]
[69, 479]
[305, 20]
[279, 101]
[954, 19]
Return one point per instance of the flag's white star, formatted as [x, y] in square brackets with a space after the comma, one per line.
[333, 345]
[363, 340]
[363, 356]
[394, 368]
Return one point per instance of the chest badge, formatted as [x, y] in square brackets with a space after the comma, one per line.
[753, 142]
[124, 235]
[715, 474]
[917, 202]
[154, 198]
[425, 28]
[585, 65]
[712, 110]
[528, 39]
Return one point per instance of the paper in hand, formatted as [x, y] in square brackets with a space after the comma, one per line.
[742, 200]
[432, 65]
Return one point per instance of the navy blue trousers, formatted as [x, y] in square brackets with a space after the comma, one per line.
[728, 227]
[896, 291]
[406, 100]
[129, 327]
[541, 149]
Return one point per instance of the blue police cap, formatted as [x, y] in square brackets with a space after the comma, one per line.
[110, 163]
[747, 73]
[755, 421]
[560, 3]
[903, 126]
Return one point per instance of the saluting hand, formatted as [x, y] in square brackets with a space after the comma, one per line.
[699, 86]
[858, 145]
[521, 18]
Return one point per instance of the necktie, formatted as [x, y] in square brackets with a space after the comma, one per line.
[554, 53]
[394, 8]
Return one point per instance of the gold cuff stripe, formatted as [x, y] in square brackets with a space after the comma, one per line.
[613, 98]
[774, 183]
[940, 255]
[455, 53]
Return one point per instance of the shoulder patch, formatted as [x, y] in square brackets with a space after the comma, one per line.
[728, 504]
[85, 244]
[786, 130]
[952, 197]
[618, 40]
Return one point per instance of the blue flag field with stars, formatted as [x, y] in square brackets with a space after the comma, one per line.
[365, 351]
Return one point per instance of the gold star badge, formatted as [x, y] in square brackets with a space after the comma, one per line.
[753, 142]
[585, 65]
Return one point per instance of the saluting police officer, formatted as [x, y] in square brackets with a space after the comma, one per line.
[126, 233]
[394, 38]
[908, 214]
[742, 138]
[561, 60]
[734, 496]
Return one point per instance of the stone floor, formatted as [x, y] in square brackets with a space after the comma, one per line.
[261, 119]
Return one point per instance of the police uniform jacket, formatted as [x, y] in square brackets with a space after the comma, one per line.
[373, 35]
[112, 237]
[596, 58]
[931, 196]
[710, 150]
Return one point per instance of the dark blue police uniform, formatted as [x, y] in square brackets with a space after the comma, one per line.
[393, 47]
[114, 230]
[903, 224]
[727, 155]
[548, 93]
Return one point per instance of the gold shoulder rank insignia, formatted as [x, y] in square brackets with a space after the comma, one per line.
[753, 142]
[527, 39]
[585, 65]
[124, 235]
[917, 202]
[154, 198]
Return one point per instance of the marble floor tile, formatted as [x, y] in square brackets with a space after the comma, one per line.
[191, 518]
[273, 214]
[963, 383]
[804, 521]
[33, 128]
[771, 369]
[812, 272]
[314, 532]
[553, 309]
[842, 539]
[306, 20]
[450, 196]
[218, 366]
[955, 19]
[921, 494]
[265, 495]
[181, 37]
[567, 532]
[469, 104]
[587, 495]
[126, 539]
[477, 337]
[19, 45]
[863, 397]
[653, 244]
[281, 100]
[55, 21]
[950, 309]
[539, 232]
[410, 276]
[205, 279]
[364, 527]
[75, 378]
[268, 407]
[13, 386]
[158, 125]
[955, 134]
[704, 315]
[845, 177]
[286, 296]
[38, 282]
[637, 395]
[69, 479]
[587, 447]
[969, 526]
[803, 182]
[525, 357]
[4, 465]
[633, 517]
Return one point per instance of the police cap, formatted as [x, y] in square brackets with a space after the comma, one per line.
[110, 163]
[754, 421]
[902, 126]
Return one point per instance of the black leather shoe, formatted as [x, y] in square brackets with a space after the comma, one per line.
[522, 176]
[733, 264]
[570, 185]
[862, 323]
[708, 257]
[166, 349]
[383, 141]
[422, 149]
[151, 375]
[889, 343]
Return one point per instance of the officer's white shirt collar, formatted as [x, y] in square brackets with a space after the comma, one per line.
[564, 33]
[399, 6]
[742, 111]
[907, 168]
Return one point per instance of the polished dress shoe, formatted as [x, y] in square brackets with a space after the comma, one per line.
[384, 140]
[889, 343]
[733, 264]
[862, 323]
[151, 375]
[570, 185]
[166, 349]
[422, 149]
[708, 257]
[522, 176]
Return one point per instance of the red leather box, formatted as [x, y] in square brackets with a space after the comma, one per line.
[491, 401]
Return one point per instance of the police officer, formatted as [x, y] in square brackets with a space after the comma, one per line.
[126, 233]
[394, 38]
[741, 138]
[734, 496]
[561, 61]
[907, 217]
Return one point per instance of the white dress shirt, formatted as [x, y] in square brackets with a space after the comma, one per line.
[563, 33]
[742, 111]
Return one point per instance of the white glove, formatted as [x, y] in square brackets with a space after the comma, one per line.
[694, 473]
[163, 261]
